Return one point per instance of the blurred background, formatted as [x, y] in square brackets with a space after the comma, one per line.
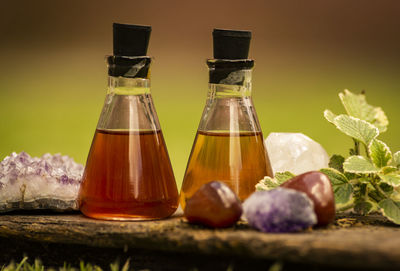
[53, 73]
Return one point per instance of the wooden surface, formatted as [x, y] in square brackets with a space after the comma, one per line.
[363, 243]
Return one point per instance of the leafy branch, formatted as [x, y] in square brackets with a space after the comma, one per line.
[366, 181]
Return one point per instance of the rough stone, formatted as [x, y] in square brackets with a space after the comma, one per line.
[214, 205]
[279, 210]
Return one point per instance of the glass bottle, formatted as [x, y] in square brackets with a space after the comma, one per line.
[229, 144]
[128, 174]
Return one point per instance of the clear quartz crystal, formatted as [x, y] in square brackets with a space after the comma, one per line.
[295, 152]
[48, 182]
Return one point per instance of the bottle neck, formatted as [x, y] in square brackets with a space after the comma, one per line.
[128, 75]
[228, 87]
[128, 86]
[128, 106]
[229, 78]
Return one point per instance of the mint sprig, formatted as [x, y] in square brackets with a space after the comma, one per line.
[374, 174]
[369, 179]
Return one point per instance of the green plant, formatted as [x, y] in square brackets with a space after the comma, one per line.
[24, 265]
[369, 179]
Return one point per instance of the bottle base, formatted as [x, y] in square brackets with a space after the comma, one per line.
[122, 217]
[160, 211]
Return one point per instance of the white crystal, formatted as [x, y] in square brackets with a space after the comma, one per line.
[49, 182]
[295, 152]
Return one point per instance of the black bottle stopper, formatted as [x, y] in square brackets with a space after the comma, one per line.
[231, 50]
[231, 44]
[130, 51]
[131, 40]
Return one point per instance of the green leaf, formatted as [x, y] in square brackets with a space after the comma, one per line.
[395, 195]
[381, 121]
[386, 188]
[329, 116]
[336, 162]
[356, 105]
[392, 179]
[365, 207]
[19, 266]
[359, 164]
[358, 129]
[388, 169]
[126, 266]
[391, 209]
[282, 177]
[379, 153]
[267, 183]
[375, 195]
[335, 176]
[343, 193]
[350, 176]
[396, 159]
[340, 184]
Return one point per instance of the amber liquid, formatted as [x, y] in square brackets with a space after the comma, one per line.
[128, 176]
[238, 159]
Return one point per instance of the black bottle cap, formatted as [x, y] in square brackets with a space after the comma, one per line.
[131, 40]
[231, 44]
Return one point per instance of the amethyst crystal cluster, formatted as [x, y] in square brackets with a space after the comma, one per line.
[48, 182]
[280, 210]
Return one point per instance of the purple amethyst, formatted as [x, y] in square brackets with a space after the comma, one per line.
[64, 179]
[23, 158]
[48, 182]
[279, 210]
[12, 176]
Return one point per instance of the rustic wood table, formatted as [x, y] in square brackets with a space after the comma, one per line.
[173, 244]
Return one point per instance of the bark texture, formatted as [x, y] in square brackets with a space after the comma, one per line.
[173, 244]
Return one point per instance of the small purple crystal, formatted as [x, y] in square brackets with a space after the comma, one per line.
[279, 210]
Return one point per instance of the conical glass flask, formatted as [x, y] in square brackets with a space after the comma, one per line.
[229, 144]
[128, 174]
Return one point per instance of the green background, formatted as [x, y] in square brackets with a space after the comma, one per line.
[53, 74]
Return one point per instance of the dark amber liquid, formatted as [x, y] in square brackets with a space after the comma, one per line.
[238, 159]
[128, 176]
